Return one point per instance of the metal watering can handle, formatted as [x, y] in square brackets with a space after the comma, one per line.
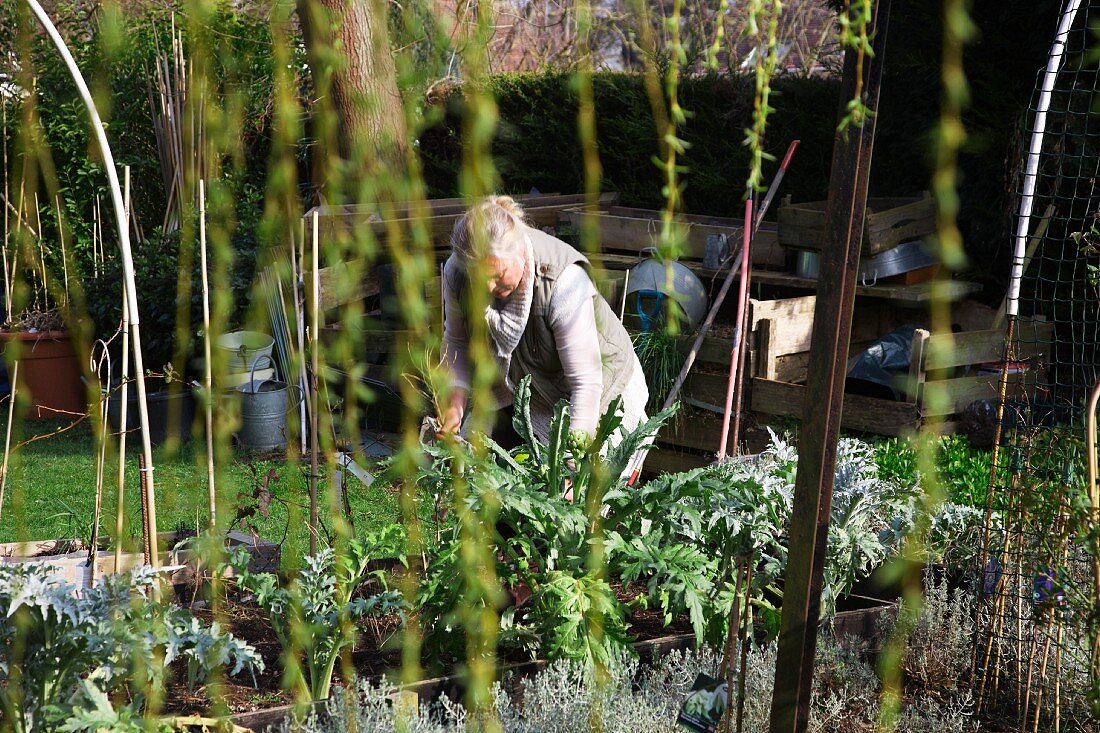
[261, 357]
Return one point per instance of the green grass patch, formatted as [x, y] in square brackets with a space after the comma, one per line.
[51, 492]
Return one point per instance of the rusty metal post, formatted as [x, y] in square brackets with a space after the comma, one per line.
[844, 214]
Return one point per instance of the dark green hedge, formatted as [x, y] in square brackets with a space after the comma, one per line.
[537, 144]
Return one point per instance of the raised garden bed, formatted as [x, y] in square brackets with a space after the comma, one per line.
[71, 557]
[861, 622]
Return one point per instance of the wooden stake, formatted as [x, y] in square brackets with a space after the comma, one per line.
[209, 375]
[124, 411]
[746, 627]
[738, 333]
[297, 263]
[622, 301]
[7, 437]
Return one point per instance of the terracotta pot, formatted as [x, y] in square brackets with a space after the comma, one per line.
[49, 373]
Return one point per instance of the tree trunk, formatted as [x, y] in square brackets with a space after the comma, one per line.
[347, 42]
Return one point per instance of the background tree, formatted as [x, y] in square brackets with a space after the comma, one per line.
[355, 81]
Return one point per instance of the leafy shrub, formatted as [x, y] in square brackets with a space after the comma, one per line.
[314, 616]
[941, 635]
[542, 539]
[680, 537]
[962, 470]
[157, 271]
[65, 654]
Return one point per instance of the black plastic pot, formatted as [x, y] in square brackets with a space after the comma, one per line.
[171, 411]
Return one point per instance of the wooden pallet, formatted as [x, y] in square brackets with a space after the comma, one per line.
[437, 217]
[781, 332]
[628, 231]
[887, 223]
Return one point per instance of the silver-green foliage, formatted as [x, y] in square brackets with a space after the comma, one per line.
[742, 508]
[567, 697]
[314, 616]
[66, 652]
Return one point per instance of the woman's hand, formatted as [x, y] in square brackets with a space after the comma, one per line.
[450, 422]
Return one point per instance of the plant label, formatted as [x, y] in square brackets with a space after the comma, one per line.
[705, 705]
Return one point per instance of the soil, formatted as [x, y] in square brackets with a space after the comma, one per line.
[377, 652]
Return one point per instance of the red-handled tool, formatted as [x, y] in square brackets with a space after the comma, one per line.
[735, 267]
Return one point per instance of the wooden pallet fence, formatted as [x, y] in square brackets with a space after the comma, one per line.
[627, 231]
[439, 216]
[781, 338]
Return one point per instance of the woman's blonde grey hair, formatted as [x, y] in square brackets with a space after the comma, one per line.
[483, 230]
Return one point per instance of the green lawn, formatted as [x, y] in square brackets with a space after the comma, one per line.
[51, 491]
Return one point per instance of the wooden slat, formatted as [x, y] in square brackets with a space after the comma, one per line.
[956, 290]
[964, 390]
[917, 293]
[668, 460]
[634, 233]
[695, 429]
[888, 222]
[437, 206]
[914, 386]
[865, 414]
[344, 283]
[707, 387]
[792, 323]
[979, 347]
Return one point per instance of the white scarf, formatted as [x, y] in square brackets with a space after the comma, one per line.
[507, 317]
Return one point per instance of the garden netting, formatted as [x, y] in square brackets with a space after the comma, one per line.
[1038, 611]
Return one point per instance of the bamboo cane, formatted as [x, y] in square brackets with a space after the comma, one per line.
[622, 301]
[7, 231]
[209, 375]
[1000, 594]
[745, 628]
[725, 671]
[315, 338]
[64, 252]
[95, 238]
[7, 436]
[41, 257]
[124, 410]
[742, 359]
[1094, 518]
[127, 262]
[305, 407]
[101, 456]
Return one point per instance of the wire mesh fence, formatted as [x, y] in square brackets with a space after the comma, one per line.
[1037, 615]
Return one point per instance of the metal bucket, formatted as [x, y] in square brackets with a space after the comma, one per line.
[264, 407]
[244, 348]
